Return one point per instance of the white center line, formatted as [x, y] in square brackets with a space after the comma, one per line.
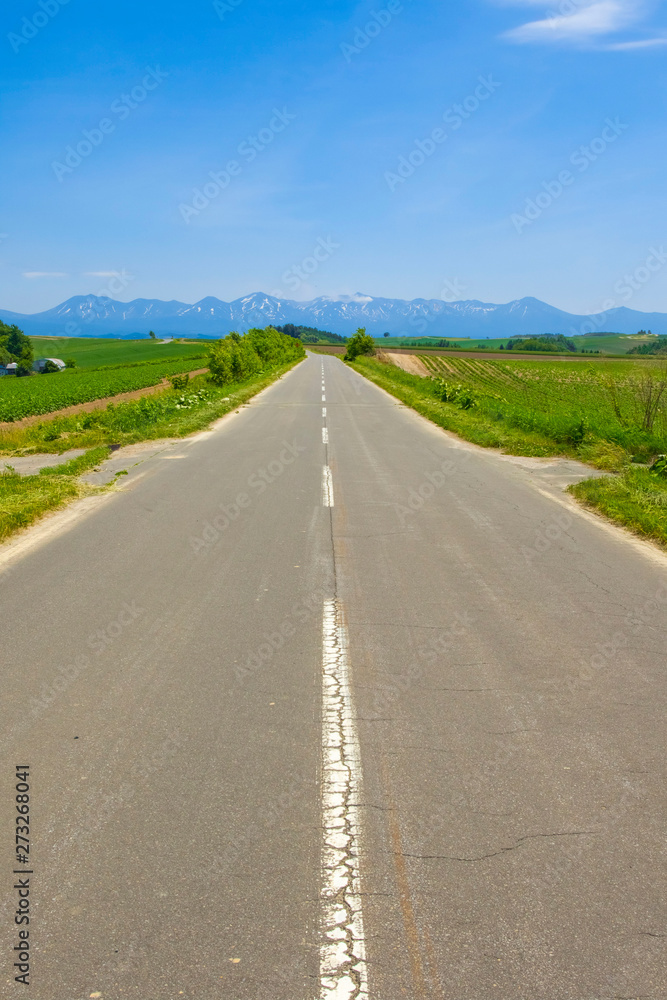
[325, 436]
[324, 398]
[324, 411]
[327, 487]
[343, 972]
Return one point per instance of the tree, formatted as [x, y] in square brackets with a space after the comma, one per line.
[360, 343]
[16, 342]
[385, 334]
[24, 364]
[49, 367]
[70, 362]
[152, 335]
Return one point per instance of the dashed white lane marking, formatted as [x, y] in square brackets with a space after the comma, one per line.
[325, 436]
[343, 972]
[324, 398]
[327, 487]
[324, 411]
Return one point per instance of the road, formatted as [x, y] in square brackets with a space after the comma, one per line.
[326, 703]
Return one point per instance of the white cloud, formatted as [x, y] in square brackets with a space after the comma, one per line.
[45, 274]
[101, 274]
[644, 43]
[583, 22]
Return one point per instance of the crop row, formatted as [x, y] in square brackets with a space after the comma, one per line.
[556, 397]
[26, 397]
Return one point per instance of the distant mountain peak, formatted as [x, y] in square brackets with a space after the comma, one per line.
[93, 315]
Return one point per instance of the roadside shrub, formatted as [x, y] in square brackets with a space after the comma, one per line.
[460, 395]
[179, 382]
[360, 343]
[237, 357]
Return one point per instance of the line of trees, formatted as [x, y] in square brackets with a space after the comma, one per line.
[550, 342]
[237, 357]
[310, 334]
[657, 346]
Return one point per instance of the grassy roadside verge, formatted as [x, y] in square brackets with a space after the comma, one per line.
[635, 498]
[24, 499]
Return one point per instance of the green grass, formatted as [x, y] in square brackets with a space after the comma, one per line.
[39, 394]
[94, 352]
[563, 401]
[23, 499]
[637, 499]
[543, 409]
[77, 466]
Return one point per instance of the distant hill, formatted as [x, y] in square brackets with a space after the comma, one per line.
[310, 335]
[89, 315]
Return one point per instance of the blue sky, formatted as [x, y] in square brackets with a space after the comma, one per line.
[334, 125]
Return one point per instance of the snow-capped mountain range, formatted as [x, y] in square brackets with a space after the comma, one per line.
[95, 316]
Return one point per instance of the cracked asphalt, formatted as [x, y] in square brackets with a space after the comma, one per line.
[162, 674]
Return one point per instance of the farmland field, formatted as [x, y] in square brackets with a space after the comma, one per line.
[94, 352]
[565, 401]
[594, 410]
[26, 397]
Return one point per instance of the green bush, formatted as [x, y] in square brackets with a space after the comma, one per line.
[460, 395]
[236, 357]
[179, 382]
[360, 343]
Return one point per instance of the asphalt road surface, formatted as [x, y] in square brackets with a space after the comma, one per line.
[324, 703]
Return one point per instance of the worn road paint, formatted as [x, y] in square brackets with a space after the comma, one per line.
[324, 411]
[325, 436]
[343, 972]
[327, 487]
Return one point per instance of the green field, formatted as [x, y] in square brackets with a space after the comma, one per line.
[605, 343]
[573, 403]
[96, 352]
[26, 397]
